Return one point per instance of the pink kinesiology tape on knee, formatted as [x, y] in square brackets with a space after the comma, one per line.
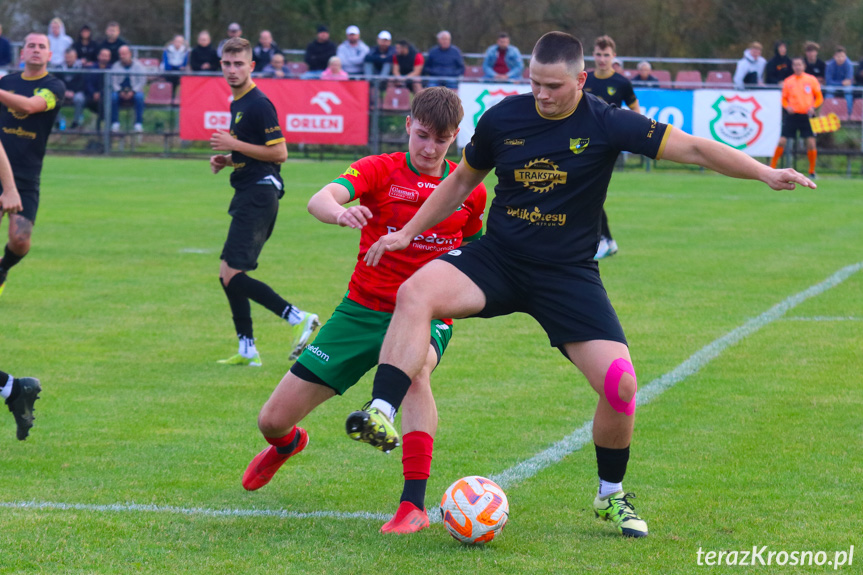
[612, 386]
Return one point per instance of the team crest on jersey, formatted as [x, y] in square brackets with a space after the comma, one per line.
[577, 145]
[238, 118]
[540, 175]
[611, 90]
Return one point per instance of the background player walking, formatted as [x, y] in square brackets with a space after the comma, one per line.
[615, 89]
[30, 102]
[390, 189]
[257, 149]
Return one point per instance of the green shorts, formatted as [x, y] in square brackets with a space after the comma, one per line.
[350, 343]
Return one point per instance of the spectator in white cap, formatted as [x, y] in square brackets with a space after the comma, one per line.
[379, 62]
[352, 52]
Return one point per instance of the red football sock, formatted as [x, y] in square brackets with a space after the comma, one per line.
[813, 156]
[776, 155]
[283, 441]
[417, 447]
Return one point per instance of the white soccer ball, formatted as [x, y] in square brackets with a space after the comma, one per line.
[474, 509]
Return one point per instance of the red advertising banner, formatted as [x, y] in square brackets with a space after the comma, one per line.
[310, 111]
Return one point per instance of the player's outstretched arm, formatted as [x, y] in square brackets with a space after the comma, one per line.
[441, 203]
[10, 200]
[686, 149]
[328, 206]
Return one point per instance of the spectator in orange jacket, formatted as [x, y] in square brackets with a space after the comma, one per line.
[801, 94]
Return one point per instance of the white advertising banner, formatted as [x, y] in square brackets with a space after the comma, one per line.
[749, 121]
[476, 98]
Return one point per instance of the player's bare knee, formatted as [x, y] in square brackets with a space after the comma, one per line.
[412, 298]
[270, 423]
[620, 386]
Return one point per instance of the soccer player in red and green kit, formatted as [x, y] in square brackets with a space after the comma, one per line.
[390, 189]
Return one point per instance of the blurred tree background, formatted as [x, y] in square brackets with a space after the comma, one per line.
[649, 28]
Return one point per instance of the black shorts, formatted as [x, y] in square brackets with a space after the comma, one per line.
[29, 199]
[568, 301]
[253, 213]
[794, 123]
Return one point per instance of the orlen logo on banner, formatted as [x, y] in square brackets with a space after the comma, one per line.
[318, 123]
[217, 120]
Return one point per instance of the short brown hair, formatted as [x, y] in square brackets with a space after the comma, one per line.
[811, 46]
[556, 47]
[839, 49]
[439, 109]
[604, 42]
[237, 46]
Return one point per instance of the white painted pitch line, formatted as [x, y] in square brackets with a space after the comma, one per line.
[196, 251]
[519, 472]
[582, 436]
[824, 318]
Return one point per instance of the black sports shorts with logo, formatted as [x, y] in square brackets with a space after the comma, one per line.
[253, 213]
[794, 123]
[29, 199]
[569, 302]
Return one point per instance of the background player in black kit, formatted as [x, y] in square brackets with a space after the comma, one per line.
[615, 89]
[30, 102]
[257, 149]
[553, 152]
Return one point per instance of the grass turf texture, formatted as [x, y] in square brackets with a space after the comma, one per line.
[122, 317]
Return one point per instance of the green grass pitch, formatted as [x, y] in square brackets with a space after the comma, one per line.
[119, 311]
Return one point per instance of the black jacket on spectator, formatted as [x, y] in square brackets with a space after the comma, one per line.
[406, 62]
[114, 47]
[318, 54]
[201, 55]
[818, 69]
[262, 56]
[74, 82]
[777, 69]
[5, 52]
[88, 51]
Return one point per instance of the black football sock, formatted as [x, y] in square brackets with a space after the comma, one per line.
[611, 463]
[606, 231]
[240, 309]
[260, 293]
[391, 384]
[9, 258]
[415, 492]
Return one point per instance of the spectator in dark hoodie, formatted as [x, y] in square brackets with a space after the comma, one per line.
[85, 47]
[318, 53]
[815, 66]
[779, 66]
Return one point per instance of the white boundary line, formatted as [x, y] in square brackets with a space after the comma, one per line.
[519, 472]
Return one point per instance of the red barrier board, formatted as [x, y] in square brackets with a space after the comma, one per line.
[310, 111]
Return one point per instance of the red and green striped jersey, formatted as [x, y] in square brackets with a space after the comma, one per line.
[393, 189]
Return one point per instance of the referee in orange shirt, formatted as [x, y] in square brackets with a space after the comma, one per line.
[801, 94]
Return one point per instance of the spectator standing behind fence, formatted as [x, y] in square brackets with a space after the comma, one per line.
[276, 68]
[801, 94]
[234, 31]
[203, 57]
[779, 66]
[502, 60]
[59, 42]
[5, 50]
[408, 63]
[444, 60]
[318, 53]
[175, 58]
[85, 47]
[128, 87]
[352, 52]
[113, 41]
[334, 70]
[75, 85]
[750, 68]
[94, 83]
[839, 74]
[379, 60]
[814, 65]
[644, 78]
[265, 50]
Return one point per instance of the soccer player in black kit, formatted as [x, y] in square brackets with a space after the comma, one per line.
[615, 89]
[257, 148]
[30, 102]
[553, 152]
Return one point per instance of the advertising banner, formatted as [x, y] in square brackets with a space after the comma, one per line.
[750, 121]
[310, 111]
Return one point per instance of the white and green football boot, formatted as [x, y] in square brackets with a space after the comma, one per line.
[617, 509]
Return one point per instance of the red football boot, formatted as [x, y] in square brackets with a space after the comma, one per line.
[266, 463]
[408, 519]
